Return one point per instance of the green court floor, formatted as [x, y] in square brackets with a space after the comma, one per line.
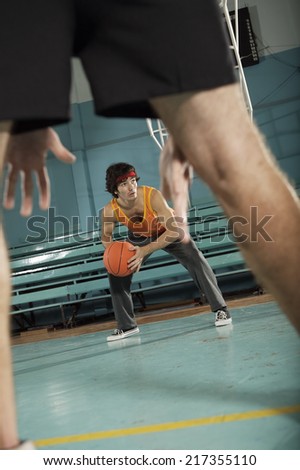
[180, 384]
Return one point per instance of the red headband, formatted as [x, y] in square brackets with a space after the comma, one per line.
[124, 177]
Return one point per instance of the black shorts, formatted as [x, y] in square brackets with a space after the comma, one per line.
[131, 50]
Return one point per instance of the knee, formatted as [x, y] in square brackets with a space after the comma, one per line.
[119, 284]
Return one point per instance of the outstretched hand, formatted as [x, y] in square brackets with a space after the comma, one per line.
[26, 154]
[176, 175]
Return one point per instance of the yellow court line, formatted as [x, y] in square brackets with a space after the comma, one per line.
[171, 426]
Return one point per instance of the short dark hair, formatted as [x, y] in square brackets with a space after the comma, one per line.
[113, 172]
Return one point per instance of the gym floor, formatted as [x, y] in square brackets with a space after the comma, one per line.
[180, 384]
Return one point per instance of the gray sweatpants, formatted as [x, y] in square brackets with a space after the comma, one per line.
[190, 257]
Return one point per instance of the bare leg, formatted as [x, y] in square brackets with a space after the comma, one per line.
[8, 423]
[214, 133]
[176, 174]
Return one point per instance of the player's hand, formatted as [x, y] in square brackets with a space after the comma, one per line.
[175, 176]
[135, 263]
[25, 156]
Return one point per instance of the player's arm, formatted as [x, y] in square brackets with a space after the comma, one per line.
[108, 222]
[172, 233]
[166, 218]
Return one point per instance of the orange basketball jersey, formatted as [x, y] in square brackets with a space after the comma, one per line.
[149, 226]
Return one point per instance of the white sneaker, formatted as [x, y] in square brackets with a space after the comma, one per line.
[120, 334]
[223, 318]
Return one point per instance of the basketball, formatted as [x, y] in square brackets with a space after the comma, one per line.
[116, 256]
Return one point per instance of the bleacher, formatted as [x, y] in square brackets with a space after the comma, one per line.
[65, 273]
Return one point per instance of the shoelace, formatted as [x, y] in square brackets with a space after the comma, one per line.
[221, 315]
[118, 332]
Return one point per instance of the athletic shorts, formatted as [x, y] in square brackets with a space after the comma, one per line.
[131, 50]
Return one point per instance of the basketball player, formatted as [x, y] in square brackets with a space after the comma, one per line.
[152, 226]
[143, 59]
